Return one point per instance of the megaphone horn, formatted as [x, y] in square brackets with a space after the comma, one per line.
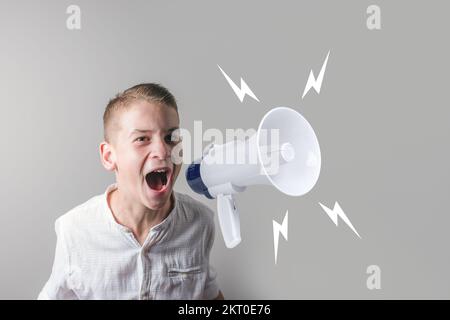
[290, 160]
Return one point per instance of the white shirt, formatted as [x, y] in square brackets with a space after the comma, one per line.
[97, 258]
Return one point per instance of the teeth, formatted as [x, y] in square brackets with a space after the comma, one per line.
[158, 171]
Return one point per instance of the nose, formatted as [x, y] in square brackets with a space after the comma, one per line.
[160, 149]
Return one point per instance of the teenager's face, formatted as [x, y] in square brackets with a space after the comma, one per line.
[143, 147]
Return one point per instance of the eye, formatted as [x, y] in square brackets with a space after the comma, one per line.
[142, 139]
[168, 139]
[172, 138]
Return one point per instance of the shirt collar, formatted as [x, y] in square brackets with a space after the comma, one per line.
[163, 225]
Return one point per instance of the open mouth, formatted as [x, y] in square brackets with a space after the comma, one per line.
[158, 178]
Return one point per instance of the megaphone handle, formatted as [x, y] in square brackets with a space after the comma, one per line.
[229, 220]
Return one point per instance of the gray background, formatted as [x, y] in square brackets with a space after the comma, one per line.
[381, 119]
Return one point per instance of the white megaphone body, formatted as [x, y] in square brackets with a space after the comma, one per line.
[284, 152]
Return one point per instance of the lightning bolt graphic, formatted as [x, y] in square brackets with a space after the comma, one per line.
[276, 233]
[242, 91]
[337, 211]
[313, 82]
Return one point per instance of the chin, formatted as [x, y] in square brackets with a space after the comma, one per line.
[157, 202]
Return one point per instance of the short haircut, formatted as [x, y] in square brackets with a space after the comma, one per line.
[151, 92]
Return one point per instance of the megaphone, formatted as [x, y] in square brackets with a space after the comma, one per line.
[290, 161]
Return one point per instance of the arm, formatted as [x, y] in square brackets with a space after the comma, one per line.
[57, 286]
[219, 296]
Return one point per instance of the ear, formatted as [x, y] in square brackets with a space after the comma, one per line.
[107, 156]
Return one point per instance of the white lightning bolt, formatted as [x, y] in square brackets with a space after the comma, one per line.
[242, 91]
[337, 211]
[276, 233]
[313, 82]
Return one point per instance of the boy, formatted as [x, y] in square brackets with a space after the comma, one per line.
[140, 239]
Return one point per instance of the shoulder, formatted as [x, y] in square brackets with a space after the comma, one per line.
[194, 224]
[80, 217]
[194, 210]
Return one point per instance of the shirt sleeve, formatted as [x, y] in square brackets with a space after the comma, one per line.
[58, 285]
[212, 287]
[211, 290]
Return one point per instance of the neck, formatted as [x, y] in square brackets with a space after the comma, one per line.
[136, 217]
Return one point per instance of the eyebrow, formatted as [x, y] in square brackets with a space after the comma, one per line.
[148, 130]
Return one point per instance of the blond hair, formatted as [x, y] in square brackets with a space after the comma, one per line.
[151, 92]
